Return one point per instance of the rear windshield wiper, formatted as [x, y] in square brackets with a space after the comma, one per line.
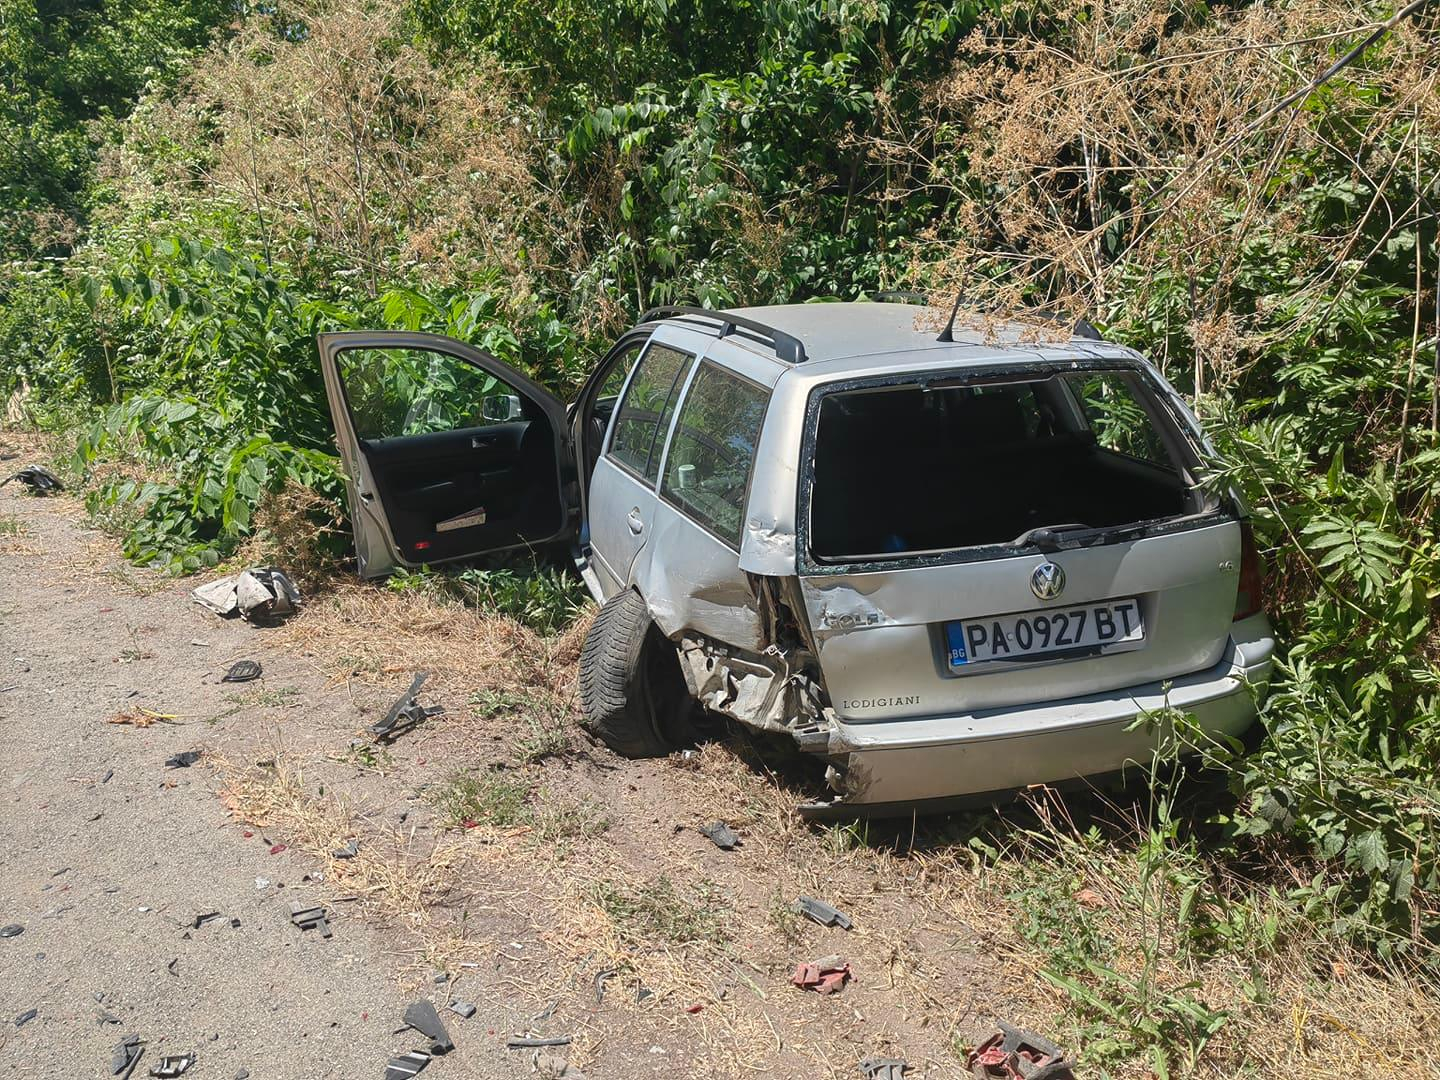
[1059, 537]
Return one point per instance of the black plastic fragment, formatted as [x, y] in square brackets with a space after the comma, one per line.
[462, 1009]
[241, 671]
[184, 759]
[406, 713]
[201, 920]
[173, 1065]
[884, 1068]
[406, 1065]
[40, 480]
[527, 1044]
[310, 918]
[26, 1016]
[126, 1056]
[423, 1018]
[349, 851]
[173, 966]
[13, 930]
[822, 912]
[721, 835]
[102, 1017]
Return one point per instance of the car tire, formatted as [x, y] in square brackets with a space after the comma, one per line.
[632, 691]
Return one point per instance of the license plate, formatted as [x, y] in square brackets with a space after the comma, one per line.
[1113, 625]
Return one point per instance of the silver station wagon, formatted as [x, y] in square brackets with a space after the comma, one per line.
[947, 564]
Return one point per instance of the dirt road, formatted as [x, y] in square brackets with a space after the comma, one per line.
[503, 858]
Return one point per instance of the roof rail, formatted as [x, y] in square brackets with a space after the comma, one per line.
[787, 347]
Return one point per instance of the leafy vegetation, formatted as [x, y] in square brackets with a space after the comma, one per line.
[193, 190]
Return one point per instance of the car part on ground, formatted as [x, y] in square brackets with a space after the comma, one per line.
[526, 1042]
[173, 1065]
[126, 1056]
[184, 759]
[308, 917]
[40, 480]
[632, 692]
[241, 671]
[1016, 1054]
[884, 1068]
[406, 713]
[421, 1016]
[258, 594]
[827, 975]
[822, 912]
[721, 835]
[462, 1009]
[406, 1065]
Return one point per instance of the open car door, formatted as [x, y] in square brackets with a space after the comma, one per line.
[448, 452]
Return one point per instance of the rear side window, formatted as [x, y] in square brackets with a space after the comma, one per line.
[1117, 420]
[708, 466]
[646, 409]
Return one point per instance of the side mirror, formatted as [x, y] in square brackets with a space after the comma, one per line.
[501, 408]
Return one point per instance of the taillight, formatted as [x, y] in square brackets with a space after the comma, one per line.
[1250, 597]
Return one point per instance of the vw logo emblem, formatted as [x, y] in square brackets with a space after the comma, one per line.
[1047, 581]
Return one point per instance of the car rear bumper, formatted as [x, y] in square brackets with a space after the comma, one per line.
[893, 765]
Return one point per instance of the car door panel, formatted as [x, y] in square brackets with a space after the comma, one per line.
[474, 488]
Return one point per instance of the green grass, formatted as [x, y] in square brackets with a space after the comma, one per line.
[545, 598]
[10, 525]
[486, 798]
[658, 912]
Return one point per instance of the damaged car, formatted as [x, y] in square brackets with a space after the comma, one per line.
[947, 565]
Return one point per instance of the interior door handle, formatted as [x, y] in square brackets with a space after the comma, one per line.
[635, 521]
[479, 442]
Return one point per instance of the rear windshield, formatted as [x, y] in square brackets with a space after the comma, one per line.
[909, 469]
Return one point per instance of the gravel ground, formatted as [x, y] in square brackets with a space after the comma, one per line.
[107, 855]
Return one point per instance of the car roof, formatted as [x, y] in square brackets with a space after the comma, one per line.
[833, 333]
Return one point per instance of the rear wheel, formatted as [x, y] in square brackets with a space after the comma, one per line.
[632, 692]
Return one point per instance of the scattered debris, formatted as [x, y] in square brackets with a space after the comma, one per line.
[349, 851]
[601, 978]
[822, 912]
[184, 759]
[309, 918]
[526, 1043]
[13, 930]
[462, 1009]
[174, 1064]
[721, 835]
[174, 967]
[275, 849]
[201, 920]
[884, 1068]
[825, 976]
[241, 671]
[26, 1016]
[423, 1018]
[261, 592]
[1016, 1054]
[406, 1065]
[126, 1056]
[243, 1074]
[40, 480]
[406, 713]
[103, 1017]
[139, 717]
[261, 884]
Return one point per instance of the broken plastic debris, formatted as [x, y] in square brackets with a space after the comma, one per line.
[349, 851]
[527, 1043]
[201, 920]
[721, 835]
[825, 976]
[184, 759]
[126, 1056]
[463, 1009]
[406, 1065]
[174, 1064]
[822, 912]
[37, 478]
[241, 671]
[310, 918]
[1016, 1054]
[423, 1018]
[260, 592]
[103, 1017]
[13, 930]
[406, 713]
[26, 1016]
[884, 1068]
[601, 978]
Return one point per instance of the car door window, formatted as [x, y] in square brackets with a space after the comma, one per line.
[646, 409]
[401, 392]
[1118, 421]
[708, 465]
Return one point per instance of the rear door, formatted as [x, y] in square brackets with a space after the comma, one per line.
[449, 453]
[983, 607]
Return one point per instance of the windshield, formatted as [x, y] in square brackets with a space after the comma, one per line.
[909, 468]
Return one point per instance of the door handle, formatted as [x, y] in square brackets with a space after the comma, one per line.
[479, 442]
[635, 521]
